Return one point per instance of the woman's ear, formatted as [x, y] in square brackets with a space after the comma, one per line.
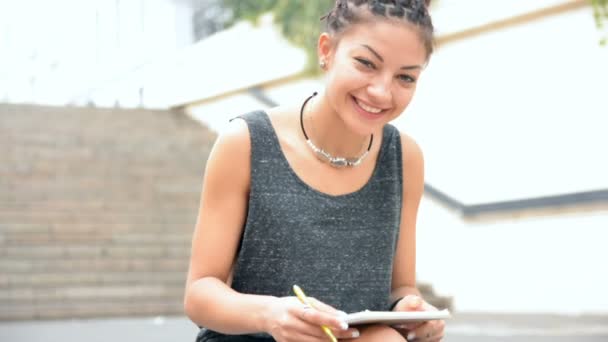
[325, 48]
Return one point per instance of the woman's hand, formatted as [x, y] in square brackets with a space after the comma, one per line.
[287, 319]
[429, 331]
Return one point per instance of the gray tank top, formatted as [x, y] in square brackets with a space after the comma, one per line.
[338, 249]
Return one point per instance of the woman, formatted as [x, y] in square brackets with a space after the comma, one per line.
[323, 193]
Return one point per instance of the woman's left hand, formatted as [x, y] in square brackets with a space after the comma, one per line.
[429, 331]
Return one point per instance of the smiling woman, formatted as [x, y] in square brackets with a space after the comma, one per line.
[322, 193]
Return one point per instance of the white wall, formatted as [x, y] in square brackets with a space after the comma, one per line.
[451, 16]
[550, 264]
[69, 51]
[237, 58]
[515, 114]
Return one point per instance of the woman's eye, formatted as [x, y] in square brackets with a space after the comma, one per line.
[407, 78]
[365, 62]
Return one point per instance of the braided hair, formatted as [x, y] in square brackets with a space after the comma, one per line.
[415, 12]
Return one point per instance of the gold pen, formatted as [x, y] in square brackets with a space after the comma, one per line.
[302, 297]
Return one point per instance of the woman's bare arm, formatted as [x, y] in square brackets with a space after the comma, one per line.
[209, 301]
[404, 267]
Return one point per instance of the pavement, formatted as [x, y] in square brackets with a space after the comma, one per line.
[462, 327]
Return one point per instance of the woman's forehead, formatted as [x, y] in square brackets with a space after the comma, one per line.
[386, 37]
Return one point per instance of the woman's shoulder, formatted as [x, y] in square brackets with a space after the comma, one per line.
[411, 150]
[231, 150]
[234, 136]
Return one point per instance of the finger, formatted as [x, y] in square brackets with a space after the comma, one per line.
[428, 307]
[437, 339]
[346, 334]
[429, 331]
[300, 327]
[314, 331]
[410, 303]
[319, 305]
[305, 328]
[319, 318]
[439, 330]
[431, 338]
[420, 333]
[298, 330]
[408, 326]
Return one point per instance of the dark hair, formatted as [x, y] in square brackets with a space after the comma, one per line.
[415, 12]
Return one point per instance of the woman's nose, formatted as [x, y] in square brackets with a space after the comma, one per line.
[380, 90]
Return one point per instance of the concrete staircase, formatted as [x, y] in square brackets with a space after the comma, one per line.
[97, 208]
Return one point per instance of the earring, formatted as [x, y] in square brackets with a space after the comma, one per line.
[322, 64]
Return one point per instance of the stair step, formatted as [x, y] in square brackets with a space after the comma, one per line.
[8, 196]
[92, 294]
[92, 228]
[108, 218]
[40, 239]
[72, 310]
[93, 265]
[94, 216]
[96, 205]
[97, 250]
[85, 278]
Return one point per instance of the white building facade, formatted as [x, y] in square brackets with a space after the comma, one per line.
[87, 52]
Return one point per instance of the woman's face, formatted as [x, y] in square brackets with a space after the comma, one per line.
[372, 72]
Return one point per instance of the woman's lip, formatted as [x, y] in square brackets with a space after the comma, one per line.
[364, 113]
[369, 105]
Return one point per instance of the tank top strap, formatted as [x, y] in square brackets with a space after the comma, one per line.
[261, 133]
[390, 160]
[267, 160]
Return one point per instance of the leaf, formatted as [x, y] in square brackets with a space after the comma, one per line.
[298, 21]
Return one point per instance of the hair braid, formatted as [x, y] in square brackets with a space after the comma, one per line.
[348, 12]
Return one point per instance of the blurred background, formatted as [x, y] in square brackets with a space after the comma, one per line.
[108, 109]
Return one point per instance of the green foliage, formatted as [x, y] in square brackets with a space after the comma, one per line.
[600, 10]
[299, 21]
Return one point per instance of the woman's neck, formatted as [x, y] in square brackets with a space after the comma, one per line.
[328, 131]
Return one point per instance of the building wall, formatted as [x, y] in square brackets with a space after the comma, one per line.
[508, 114]
[526, 102]
[539, 264]
[75, 52]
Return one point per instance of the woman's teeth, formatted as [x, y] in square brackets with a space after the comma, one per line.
[368, 108]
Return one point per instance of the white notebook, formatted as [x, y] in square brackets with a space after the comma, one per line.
[395, 317]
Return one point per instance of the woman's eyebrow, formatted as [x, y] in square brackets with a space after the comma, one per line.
[407, 67]
[374, 52]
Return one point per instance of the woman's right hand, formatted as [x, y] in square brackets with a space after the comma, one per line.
[287, 320]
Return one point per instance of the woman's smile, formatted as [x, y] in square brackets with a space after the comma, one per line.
[367, 111]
